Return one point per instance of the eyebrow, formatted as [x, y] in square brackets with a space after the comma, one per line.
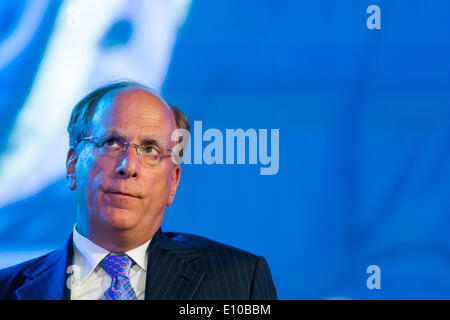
[152, 140]
[146, 140]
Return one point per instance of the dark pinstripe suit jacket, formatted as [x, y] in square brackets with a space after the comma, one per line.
[180, 266]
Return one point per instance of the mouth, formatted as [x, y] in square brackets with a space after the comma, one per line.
[122, 194]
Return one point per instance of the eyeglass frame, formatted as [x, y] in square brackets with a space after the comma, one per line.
[125, 148]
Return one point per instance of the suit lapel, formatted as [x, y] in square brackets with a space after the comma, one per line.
[46, 279]
[173, 270]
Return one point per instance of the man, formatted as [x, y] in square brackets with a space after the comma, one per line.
[120, 168]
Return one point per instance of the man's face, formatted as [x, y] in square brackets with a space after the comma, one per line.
[124, 193]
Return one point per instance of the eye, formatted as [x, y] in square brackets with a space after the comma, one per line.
[149, 150]
[110, 142]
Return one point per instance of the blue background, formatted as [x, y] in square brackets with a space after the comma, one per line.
[364, 128]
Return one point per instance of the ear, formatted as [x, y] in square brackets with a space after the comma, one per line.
[175, 179]
[71, 160]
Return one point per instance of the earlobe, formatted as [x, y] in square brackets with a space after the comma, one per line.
[175, 180]
[71, 160]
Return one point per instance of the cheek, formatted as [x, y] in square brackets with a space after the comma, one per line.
[158, 187]
[89, 180]
[92, 189]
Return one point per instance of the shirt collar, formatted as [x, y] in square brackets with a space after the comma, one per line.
[92, 254]
[139, 255]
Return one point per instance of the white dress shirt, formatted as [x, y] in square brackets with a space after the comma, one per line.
[89, 281]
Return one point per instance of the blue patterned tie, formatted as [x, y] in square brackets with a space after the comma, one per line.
[118, 267]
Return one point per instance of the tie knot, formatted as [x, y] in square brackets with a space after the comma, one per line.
[117, 265]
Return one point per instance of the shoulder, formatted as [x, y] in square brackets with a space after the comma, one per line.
[214, 251]
[204, 244]
[13, 277]
[231, 272]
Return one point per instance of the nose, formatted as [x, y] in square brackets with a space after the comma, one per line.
[129, 164]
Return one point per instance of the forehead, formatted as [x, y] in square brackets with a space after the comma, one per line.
[135, 113]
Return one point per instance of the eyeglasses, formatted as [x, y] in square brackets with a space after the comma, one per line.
[116, 146]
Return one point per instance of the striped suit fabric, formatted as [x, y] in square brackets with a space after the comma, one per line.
[180, 267]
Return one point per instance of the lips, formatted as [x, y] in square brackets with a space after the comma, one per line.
[124, 194]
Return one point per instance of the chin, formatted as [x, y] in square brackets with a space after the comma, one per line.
[120, 219]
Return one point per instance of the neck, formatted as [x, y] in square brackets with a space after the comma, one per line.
[117, 241]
